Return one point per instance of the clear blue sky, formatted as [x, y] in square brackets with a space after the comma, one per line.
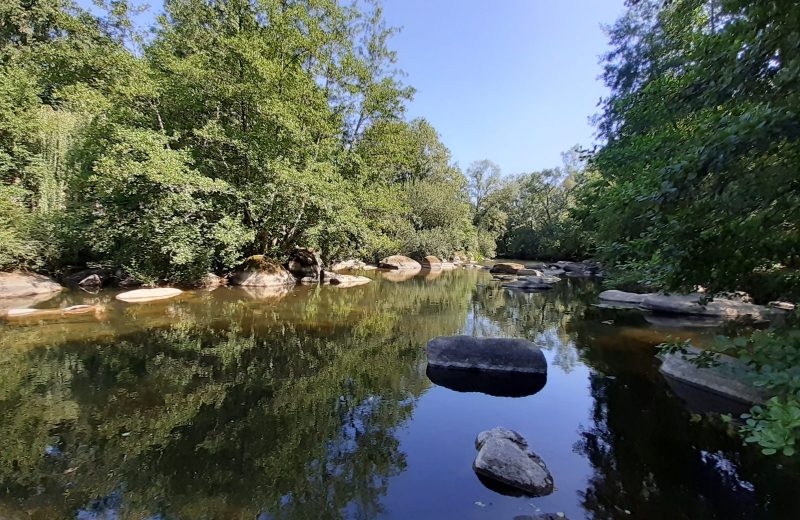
[514, 81]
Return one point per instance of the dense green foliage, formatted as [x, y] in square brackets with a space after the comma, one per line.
[697, 181]
[235, 128]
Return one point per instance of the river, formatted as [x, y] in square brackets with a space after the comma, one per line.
[315, 403]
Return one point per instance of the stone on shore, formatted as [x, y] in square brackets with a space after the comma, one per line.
[400, 263]
[431, 262]
[486, 354]
[148, 295]
[504, 457]
[19, 284]
[305, 263]
[260, 272]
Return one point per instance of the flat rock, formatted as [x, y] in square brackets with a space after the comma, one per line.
[399, 262]
[18, 284]
[486, 354]
[347, 280]
[530, 272]
[506, 268]
[503, 456]
[730, 378]
[614, 295]
[690, 304]
[148, 295]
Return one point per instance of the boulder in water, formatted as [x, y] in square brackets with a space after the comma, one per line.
[305, 263]
[257, 271]
[504, 457]
[486, 354]
[700, 305]
[506, 268]
[431, 262]
[399, 262]
[730, 378]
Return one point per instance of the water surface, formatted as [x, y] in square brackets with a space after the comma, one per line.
[314, 403]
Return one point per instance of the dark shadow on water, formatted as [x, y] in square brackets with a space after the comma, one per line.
[500, 487]
[489, 383]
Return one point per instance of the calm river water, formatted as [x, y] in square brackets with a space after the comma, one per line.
[315, 404]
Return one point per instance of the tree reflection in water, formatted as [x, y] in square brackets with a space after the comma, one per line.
[280, 405]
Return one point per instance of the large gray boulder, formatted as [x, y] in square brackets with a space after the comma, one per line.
[486, 354]
[730, 378]
[399, 262]
[257, 271]
[694, 304]
[503, 456]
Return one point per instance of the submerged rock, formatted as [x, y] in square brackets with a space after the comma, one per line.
[486, 354]
[528, 285]
[399, 262]
[503, 456]
[18, 284]
[729, 379]
[498, 384]
[506, 268]
[260, 272]
[148, 295]
[533, 283]
[74, 310]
